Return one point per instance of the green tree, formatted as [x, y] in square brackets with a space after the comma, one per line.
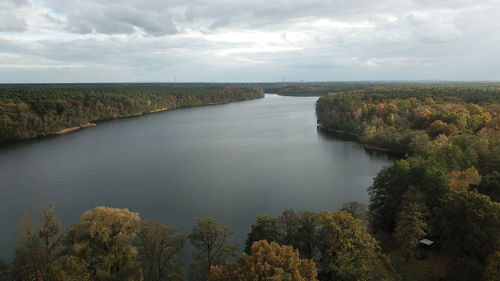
[268, 261]
[159, 246]
[348, 251]
[411, 225]
[103, 241]
[212, 247]
[468, 224]
[489, 185]
[289, 222]
[264, 228]
[386, 193]
[306, 239]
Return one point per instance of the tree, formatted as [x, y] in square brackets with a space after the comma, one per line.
[411, 225]
[50, 233]
[307, 234]
[460, 180]
[492, 270]
[386, 193]
[357, 210]
[468, 224]
[36, 257]
[75, 269]
[212, 246]
[102, 240]
[289, 226]
[159, 246]
[490, 185]
[264, 228]
[348, 251]
[4, 271]
[268, 261]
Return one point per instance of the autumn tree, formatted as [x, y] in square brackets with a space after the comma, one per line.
[460, 180]
[159, 245]
[264, 228]
[268, 261]
[348, 251]
[36, 257]
[102, 241]
[411, 225]
[212, 247]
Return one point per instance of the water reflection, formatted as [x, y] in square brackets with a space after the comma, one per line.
[373, 153]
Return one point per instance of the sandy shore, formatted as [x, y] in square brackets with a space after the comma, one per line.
[67, 130]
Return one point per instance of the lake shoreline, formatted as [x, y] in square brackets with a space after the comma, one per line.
[94, 123]
[72, 129]
[357, 139]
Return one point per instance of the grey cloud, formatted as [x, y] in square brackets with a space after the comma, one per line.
[261, 40]
[11, 23]
[113, 18]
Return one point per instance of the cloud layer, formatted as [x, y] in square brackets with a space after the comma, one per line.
[229, 40]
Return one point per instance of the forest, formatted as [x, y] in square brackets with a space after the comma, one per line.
[117, 244]
[322, 88]
[28, 111]
[447, 187]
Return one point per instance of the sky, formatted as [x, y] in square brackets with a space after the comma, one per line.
[248, 41]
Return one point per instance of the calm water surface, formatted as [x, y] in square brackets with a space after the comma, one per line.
[230, 162]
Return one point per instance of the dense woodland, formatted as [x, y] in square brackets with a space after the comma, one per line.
[320, 89]
[448, 187]
[116, 244]
[28, 111]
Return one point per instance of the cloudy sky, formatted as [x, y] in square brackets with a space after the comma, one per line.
[248, 41]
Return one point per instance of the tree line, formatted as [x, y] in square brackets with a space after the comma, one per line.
[28, 111]
[447, 188]
[116, 244]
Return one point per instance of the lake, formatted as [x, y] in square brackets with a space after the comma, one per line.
[231, 162]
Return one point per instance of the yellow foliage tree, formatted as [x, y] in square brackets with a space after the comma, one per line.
[103, 241]
[460, 180]
[269, 261]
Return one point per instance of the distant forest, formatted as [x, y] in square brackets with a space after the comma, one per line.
[28, 111]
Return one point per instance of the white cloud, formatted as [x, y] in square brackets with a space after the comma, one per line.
[228, 40]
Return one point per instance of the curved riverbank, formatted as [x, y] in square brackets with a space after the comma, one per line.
[30, 111]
